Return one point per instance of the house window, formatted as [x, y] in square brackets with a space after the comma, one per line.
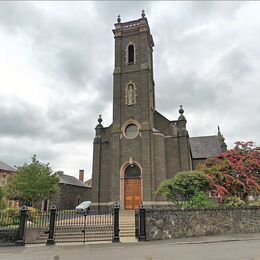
[131, 53]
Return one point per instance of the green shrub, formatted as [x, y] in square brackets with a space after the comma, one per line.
[9, 216]
[183, 186]
[3, 204]
[12, 211]
[234, 201]
[199, 200]
[33, 214]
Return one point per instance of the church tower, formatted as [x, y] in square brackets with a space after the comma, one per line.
[133, 106]
[141, 147]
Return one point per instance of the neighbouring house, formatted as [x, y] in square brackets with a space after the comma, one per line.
[71, 192]
[6, 171]
[88, 183]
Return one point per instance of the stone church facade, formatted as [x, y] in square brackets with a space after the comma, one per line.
[141, 147]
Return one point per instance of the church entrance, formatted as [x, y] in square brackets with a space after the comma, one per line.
[132, 187]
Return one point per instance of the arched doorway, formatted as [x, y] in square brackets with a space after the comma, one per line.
[132, 187]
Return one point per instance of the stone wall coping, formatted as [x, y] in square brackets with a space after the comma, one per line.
[253, 207]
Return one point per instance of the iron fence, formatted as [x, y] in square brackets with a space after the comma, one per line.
[34, 227]
[140, 223]
[71, 226]
[37, 227]
[137, 223]
[9, 227]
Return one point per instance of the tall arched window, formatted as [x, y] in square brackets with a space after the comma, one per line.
[131, 53]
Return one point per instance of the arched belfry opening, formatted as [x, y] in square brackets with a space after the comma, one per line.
[131, 53]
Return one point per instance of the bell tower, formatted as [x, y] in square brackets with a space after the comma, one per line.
[133, 108]
[133, 73]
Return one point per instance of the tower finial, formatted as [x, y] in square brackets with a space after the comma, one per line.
[143, 14]
[119, 18]
[218, 129]
[181, 111]
[100, 119]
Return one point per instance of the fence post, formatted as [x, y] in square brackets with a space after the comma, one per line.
[142, 229]
[137, 223]
[116, 208]
[21, 232]
[51, 239]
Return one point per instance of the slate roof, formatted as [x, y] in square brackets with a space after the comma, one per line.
[204, 146]
[70, 180]
[6, 167]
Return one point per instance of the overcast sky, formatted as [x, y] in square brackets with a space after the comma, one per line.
[56, 64]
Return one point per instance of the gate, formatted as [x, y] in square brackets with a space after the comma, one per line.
[71, 226]
[33, 227]
[9, 227]
[37, 227]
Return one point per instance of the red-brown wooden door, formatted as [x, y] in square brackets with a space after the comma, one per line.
[132, 193]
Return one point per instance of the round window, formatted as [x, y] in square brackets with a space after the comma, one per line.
[131, 131]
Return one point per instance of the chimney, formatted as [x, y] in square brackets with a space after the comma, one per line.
[81, 175]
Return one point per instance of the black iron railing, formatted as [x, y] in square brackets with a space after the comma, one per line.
[9, 227]
[140, 223]
[31, 227]
[71, 226]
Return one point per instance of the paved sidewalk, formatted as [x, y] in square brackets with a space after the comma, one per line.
[231, 247]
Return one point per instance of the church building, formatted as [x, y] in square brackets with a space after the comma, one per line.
[141, 147]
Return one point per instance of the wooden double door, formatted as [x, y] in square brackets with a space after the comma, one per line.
[132, 190]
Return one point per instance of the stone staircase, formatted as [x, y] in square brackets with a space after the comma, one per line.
[127, 226]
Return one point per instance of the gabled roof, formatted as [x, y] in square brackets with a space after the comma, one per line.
[70, 180]
[88, 183]
[6, 167]
[204, 146]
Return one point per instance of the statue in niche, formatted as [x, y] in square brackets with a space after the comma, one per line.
[130, 95]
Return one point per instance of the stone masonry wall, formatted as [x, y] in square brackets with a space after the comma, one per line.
[69, 196]
[169, 223]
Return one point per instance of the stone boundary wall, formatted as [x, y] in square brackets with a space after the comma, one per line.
[178, 223]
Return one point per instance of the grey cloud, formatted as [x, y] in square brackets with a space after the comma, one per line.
[19, 118]
[127, 9]
[72, 120]
[18, 152]
[235, 64]
[198, 63]
[18, 15]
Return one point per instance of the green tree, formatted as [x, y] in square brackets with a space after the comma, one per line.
[183, 186]
[3, 203]
[33, 182]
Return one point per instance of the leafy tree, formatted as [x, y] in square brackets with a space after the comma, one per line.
[3, 203]
[33, 182]
[235, 172]
[183, 186]
[199, 200]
